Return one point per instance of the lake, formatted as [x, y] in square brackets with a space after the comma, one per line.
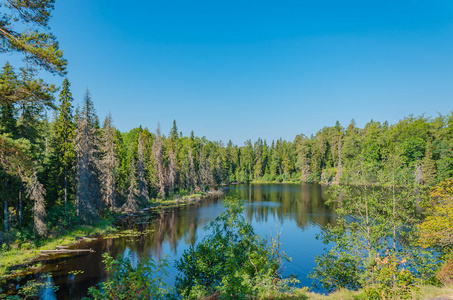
[297, 211]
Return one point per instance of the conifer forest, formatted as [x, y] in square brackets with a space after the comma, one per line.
[64, 168]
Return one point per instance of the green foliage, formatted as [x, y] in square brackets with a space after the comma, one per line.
[436, 230]
[38, 46]
[60, 218]
[374, 222]
[389, 279]
[32, 288]
[336, 270]
[232, 261]
[145, 281]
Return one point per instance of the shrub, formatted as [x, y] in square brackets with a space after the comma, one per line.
[389, 279]
[232, 262]
[445, 274]
[146, 281]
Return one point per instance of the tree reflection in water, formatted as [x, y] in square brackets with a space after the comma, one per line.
[298, 208]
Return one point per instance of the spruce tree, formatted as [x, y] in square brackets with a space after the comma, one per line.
[131, 204]
[36, 192]
[192, 176]
[206, 178]
[109, 165]
[143, 194]
[86, 147]
[159, 163]
[64, 142]
[8, 96]
[174, 135]
[172, 171]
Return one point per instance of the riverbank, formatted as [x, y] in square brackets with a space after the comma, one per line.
[159, 205]
[18, 257]
[21, 258]
[275, 181]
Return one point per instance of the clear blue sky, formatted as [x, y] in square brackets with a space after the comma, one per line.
[247, 69]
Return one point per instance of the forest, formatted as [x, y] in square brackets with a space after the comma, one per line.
[62, 166]
[75, 167]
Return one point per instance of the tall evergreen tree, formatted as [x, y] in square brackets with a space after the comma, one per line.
[143, 193]
[64, 141]
[192, 178]
[109, 165]
[174, 136]
[8, 96]
[159, 163]
[172, 170]
[36, 192]
[86, 147]
[131, 203]
[172, 155]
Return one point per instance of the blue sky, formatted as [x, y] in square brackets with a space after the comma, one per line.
[247, 69]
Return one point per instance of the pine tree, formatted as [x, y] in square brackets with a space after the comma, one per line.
[109, 165]
[36, 192]
[86, 146]
[24, 28]
[159, 163]
[143, 194]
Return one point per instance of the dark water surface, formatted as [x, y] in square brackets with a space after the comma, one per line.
[298, 211]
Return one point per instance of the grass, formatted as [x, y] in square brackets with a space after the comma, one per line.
[426, 292]
[25, 255]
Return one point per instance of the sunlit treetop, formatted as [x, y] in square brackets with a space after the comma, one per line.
[24, 29]
[437, 229]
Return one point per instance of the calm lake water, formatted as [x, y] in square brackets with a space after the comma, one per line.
[298, 211]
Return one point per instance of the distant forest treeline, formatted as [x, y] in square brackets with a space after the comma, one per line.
[76, 161]
[331, 155]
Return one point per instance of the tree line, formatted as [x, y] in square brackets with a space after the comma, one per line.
[57, 161]
[77, 167]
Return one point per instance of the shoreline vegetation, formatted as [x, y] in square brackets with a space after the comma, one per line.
[23, 258]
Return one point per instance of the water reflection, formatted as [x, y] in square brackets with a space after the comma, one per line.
[297, 210]
[304, 204]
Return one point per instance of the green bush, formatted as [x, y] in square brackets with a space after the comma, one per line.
[31, 289]
[232, 262]
[389, 279]
[146, 281]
